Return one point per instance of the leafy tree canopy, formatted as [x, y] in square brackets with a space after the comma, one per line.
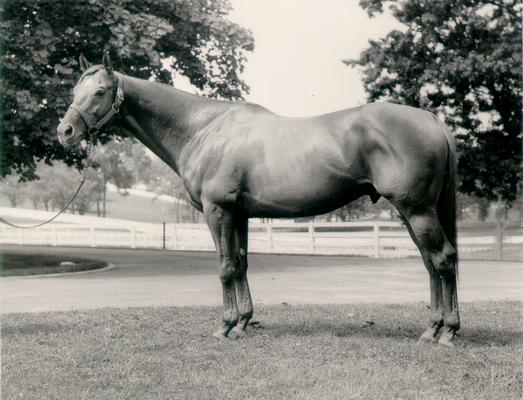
[461, 60]
[41, 42]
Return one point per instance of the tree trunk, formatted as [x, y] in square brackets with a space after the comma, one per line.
[104, 197]
[391, 214]
[483, 209]
[194, 216]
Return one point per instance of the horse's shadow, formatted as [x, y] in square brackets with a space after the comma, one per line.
[479, 336]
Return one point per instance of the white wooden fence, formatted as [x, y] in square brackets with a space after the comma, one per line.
[373, 239]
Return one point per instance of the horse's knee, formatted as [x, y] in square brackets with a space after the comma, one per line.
[444, 261]
[229, 270]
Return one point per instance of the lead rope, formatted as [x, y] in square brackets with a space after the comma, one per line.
[84, 178]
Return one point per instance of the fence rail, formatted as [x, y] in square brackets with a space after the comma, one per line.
[372, 239]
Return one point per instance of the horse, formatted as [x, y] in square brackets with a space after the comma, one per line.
[238, 160]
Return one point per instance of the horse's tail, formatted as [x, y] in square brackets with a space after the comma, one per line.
[446, 207]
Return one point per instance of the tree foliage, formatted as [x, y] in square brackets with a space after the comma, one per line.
[41, 41]
[54, 187]
[461, 60]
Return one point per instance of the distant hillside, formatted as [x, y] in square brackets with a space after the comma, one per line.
[132, 207]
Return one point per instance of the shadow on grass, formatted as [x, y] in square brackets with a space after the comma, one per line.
[341, 329]
[497, 337]
[481, 336]
[30, 328]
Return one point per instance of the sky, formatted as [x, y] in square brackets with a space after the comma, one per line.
[296, 68]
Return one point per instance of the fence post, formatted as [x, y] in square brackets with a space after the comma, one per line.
[311, 237]
[499, 240]
[133, 237]
[376, 239]
[269, 237]
[163, 235]
[175, 237]
[91, 236]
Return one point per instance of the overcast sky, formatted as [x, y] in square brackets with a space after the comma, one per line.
[296, 68]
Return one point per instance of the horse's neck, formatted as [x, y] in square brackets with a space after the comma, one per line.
[163, 118]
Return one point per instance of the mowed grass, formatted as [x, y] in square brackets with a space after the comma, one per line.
[13, 264]
[302, 352]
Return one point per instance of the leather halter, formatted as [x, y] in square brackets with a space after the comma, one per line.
[93, 124]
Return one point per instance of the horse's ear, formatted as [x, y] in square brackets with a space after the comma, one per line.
[106, 61]
[84, 64]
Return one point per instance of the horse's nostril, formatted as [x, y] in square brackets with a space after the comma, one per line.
[68, 131]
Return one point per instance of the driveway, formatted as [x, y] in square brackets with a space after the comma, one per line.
[159, 278]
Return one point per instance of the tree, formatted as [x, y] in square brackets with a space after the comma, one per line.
[89, 194]
[162, 181]
[38, 189]
[351, 211]
[461, 60]
[41, 42]
[114, 163]
[62, 184]
[11, 187]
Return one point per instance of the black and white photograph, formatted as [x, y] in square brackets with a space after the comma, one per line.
[261, 199]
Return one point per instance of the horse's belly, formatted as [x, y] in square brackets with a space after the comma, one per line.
[299, 199]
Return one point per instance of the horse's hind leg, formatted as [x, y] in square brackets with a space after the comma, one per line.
[436, 303]
[243, 294]
[439, 257]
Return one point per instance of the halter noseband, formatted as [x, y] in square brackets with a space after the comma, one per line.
[90, 120]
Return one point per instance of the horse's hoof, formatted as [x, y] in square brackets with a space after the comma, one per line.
[221, 333]
[427, 340]
[237, 333]
[445, 343]
[429, 336]
[446, 339]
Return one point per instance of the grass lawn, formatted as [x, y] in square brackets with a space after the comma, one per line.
[302, 352]
[12, 264]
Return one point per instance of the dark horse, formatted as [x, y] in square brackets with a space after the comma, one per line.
[239, 160]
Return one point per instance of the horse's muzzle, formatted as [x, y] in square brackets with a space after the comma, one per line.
[67, 136]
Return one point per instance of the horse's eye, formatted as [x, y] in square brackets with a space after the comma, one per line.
[100, 92]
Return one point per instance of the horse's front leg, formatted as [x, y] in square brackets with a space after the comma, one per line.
[227, 235]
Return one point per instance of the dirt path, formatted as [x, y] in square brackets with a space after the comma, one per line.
[156, 278]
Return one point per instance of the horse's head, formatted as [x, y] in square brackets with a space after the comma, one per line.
[97, 98]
